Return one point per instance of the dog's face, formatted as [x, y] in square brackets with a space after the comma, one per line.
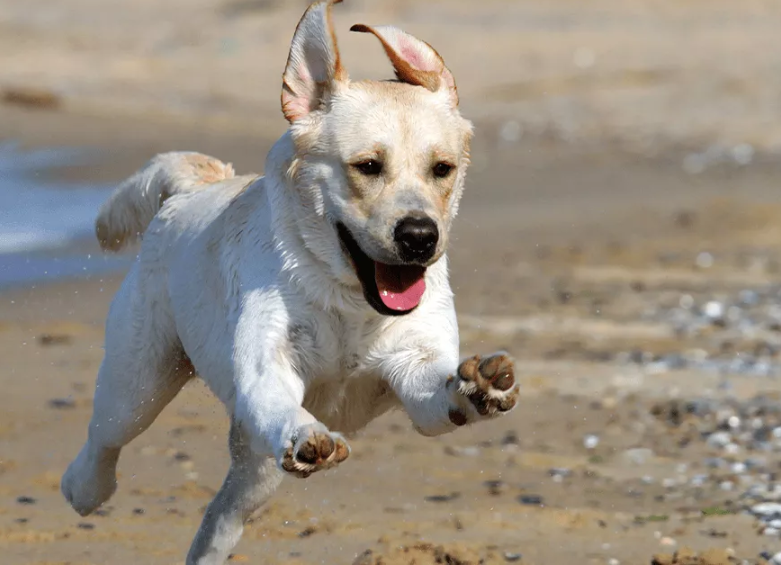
[382, 163]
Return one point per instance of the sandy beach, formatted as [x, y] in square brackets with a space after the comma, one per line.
[633, 272]
[645, 73]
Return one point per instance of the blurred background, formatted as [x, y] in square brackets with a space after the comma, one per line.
[620, 235]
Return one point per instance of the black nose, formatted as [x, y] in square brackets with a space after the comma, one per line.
[416, 238]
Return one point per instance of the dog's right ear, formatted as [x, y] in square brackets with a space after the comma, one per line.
[415, 61]
[313, 66]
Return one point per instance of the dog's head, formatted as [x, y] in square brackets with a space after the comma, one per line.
[383, 163]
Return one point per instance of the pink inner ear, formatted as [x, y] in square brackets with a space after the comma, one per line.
[410, 54]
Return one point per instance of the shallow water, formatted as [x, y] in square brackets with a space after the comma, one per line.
[46, 226]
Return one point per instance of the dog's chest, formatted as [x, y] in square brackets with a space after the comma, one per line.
[331, 346]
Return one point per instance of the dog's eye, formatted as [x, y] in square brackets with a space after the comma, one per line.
[442, 169]
[369, 167]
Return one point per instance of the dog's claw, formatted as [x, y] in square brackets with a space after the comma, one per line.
[488, 384]
[314, 449]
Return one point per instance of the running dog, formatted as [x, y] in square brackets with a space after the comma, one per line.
[311, 300]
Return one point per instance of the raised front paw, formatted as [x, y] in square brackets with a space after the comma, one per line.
[313, 449]
[487, 384]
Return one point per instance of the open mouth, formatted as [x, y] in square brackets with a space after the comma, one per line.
[392, 290]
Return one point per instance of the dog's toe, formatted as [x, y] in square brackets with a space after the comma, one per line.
[314, 450]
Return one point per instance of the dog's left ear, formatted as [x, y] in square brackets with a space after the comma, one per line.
[415, 61]
[313, 66]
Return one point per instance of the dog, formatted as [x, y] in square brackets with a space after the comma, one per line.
[310, 300]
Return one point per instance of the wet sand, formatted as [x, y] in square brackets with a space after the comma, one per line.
[620, 235]
[560, 252]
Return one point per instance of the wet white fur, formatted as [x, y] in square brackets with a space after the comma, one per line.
[244, 280]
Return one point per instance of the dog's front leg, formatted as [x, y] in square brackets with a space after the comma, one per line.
[271, 434]
[441, 394]
[269, 407]
[268, 424]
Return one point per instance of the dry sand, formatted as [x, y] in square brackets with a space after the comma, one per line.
[533, 221]
[646, 72]
[560, 250]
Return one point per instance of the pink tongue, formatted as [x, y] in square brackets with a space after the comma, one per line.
[400, 287]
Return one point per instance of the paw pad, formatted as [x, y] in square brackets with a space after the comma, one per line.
[314, 451]
[488, 383]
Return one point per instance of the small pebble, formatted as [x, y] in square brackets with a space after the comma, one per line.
[559, 472]
[713, 310]
[767, 509]
[512, 557]
[52, 339]
[739, 468]
[443, 497]
[732, 449]
[531, 499]
[698, 480]
[26, 500]
[458, 451]
[590, 441]
[62, 403]
[715, 462]
[704, 260]
[719, 440]
[748, 297]
[495, 487]
[510, 438]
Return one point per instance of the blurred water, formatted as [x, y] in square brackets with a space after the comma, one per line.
[44, 223]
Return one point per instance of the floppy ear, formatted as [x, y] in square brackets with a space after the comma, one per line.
[313, 64]
[415, 61]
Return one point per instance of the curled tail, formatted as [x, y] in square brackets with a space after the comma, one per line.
[124, 217]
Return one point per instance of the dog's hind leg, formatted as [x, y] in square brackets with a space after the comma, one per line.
[251, 480]
[143, 369]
